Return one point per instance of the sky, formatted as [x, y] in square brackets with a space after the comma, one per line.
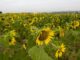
[39, 5]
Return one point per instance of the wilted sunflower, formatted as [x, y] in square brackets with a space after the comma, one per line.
[45, 36]
[60, 51]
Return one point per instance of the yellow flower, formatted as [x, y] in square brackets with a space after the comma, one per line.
[12, 41]
[13, 33]
[45, 36]
[24, 46]
[58, 54]
[60, 51]
[62, 47]
[75, 24]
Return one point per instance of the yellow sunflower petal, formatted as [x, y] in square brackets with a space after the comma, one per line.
[60, 54]
[56, 54]
[62, 47]
[47, 41]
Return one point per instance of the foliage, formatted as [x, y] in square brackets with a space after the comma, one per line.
[19, 31]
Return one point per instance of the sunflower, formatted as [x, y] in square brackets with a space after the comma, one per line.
[44, 36]
[13, 33]
[60, 51]
[12, 41]
[75, 24]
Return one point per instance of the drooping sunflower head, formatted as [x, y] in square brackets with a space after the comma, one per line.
[45, 36]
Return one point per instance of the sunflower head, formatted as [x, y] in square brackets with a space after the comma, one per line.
[44, 36]
[75, 24]
[60, 51]
[13, 33]
[12, 41]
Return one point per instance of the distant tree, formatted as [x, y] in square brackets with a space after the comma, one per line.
[0, 12]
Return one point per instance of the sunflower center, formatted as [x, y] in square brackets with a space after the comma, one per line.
[43, 36]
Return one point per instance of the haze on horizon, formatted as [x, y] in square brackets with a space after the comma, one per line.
[39, 5]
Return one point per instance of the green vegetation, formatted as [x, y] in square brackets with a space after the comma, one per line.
[39, 36]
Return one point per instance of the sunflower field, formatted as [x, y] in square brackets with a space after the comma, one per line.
[39, 36]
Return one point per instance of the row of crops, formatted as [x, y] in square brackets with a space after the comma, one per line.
[39, 36]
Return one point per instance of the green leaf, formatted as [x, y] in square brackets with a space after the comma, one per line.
[4, 40]
[38, 53]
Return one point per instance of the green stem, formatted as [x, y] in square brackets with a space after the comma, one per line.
[54, 46]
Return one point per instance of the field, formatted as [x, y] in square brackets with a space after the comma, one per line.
[39, 36]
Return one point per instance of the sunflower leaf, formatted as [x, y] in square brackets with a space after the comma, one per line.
[37, 53]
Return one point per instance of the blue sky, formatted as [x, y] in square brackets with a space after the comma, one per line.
[39, 5]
